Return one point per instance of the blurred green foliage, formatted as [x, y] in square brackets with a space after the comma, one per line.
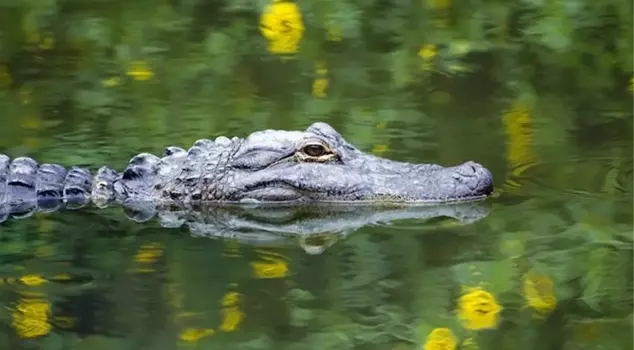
[97, 71]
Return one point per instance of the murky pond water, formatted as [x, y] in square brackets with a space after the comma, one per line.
[545, 263]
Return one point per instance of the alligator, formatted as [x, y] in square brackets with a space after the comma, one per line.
[316, 165]
[315, 228]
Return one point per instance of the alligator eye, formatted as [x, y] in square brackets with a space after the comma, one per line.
[314, 150]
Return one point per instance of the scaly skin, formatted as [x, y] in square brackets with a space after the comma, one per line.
[315, 165]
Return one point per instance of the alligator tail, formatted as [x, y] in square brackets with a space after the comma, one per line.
[27, 187]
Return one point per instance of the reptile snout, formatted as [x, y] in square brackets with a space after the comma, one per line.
[475, 176]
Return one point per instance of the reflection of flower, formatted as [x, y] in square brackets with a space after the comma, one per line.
[148, 254]
[231, 314]
[274, 267]
[193, 335]
[319, 87]
[281, 24]
[140, 71]
[478, 309]
[231, 319]
[518, 125]
[440, 339]
[538, 291]
[320, 84]
[30, 318]
[427, 53]
[32, 280]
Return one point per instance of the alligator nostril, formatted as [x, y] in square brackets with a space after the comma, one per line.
[473, 169]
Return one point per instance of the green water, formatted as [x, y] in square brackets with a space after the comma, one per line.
[533, 91]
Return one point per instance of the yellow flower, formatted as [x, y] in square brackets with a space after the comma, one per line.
[148, 253]
[230, 299]
[478, 309]
[30, 318]
[319, 87]
[440, 339]
[140, 70]
[275, 267]
[518, 125]
[270, 270]
[194, 334]
[32, 280]
[427, 52]
[231, 319]
[231, 314]
[320, 84]
[281, 24]
[538, 291]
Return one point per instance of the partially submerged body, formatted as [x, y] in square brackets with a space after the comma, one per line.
[271, 166]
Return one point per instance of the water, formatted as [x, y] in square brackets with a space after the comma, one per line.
[545, 263]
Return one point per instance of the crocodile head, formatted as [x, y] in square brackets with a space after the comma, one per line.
[319, 165]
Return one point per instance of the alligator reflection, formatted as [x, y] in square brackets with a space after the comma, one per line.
[314, 227]
[156, 275]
